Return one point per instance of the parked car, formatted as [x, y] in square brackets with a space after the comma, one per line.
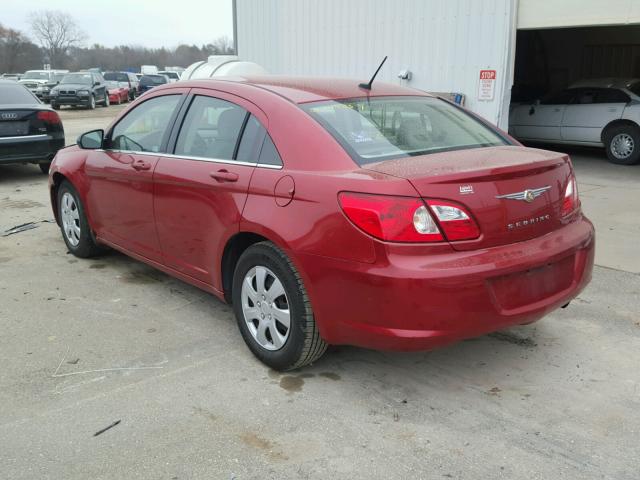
[40, 82]
[149, 70]
[330, 214]
[600, 113]
[80, 89]
[147, 82]
[11, 76]
[118, 92]
[125, 77]
[30, 132]
[172, 76]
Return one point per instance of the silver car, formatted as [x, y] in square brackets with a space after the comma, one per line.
[601, 113]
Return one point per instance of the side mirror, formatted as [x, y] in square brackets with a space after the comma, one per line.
[95, 84]
[537, 102]
[91, 140]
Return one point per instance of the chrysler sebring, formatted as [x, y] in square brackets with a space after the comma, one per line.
[327, 213]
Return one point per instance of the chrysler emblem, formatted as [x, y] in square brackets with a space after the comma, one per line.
[528, 195]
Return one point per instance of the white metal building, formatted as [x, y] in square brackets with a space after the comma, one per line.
[532, 46]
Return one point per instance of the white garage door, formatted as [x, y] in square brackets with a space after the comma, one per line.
[576, 13]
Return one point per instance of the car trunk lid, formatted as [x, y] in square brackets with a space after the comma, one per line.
[492, 184]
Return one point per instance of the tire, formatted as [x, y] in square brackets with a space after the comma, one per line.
[44, 167]
[55, 106]
[623, 144]
[106, 100]
[92, 103]
[81, 244]
[302, 344]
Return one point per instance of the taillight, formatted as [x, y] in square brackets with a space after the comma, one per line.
[391, 218]
[570, 202]
[48, 116]
[454, 220]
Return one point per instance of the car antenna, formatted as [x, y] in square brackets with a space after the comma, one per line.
[367, 86]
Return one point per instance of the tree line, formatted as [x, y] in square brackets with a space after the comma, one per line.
[58, 41]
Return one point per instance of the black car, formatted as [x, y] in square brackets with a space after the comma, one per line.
[80, 89]
[125, 77]
[147, 82]
[30, 132]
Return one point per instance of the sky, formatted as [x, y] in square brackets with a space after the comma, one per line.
[133, 22]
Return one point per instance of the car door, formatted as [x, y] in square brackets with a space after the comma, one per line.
[120, 193]
[541, 121]
[590, 111]
[201, 188]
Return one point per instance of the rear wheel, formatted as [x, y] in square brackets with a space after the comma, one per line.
[55, 106]
[44, 167]
[106, 100]
[273, 310]
[623, 144]
[73, 223]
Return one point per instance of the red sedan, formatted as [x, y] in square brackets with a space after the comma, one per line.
[118, 92]
[330, 214]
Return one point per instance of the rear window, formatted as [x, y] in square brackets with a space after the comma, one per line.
[383, 128]
[14, 94]
[117, 76]
[153, 80]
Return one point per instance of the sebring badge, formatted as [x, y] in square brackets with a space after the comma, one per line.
[527, 195]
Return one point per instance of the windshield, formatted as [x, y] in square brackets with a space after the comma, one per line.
[382, 128]
[120, 77]
[35, 76]
[14, 94]
[83, 78]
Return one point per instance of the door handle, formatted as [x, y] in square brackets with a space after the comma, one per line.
[224, 176]
[140, 164]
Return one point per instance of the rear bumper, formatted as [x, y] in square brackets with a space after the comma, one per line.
[29, 149]
[416, 302]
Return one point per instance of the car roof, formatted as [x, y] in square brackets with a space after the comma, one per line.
[609, 82]
[310, 89]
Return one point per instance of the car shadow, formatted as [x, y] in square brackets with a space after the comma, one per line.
[13, 172]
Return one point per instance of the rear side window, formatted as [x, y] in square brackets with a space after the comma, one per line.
[383, 128]
[210, 129]
[612, 95]
[269, 154]
[14, 93]
[256, 145]
[143, 129]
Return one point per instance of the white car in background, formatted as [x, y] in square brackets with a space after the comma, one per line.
[601, 113]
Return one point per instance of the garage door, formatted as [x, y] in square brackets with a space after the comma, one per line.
[575, 13]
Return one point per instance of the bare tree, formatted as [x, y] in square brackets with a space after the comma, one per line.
[221, 46]
[57, 32]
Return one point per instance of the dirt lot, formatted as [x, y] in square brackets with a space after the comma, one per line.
[86, 343]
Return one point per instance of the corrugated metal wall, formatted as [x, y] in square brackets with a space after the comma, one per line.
[445, 43]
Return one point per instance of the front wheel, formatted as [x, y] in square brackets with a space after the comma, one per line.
[106, 100]
[273, 310]
[623, 144]
[55, 106]
[92, 102]
[73, 223]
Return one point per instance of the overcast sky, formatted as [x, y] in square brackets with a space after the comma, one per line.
[133, 22]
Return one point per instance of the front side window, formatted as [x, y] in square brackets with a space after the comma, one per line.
[210, 129]
[383, 128]
[143, 129]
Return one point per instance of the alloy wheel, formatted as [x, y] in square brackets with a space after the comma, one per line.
[70, 217]
[265, 308]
